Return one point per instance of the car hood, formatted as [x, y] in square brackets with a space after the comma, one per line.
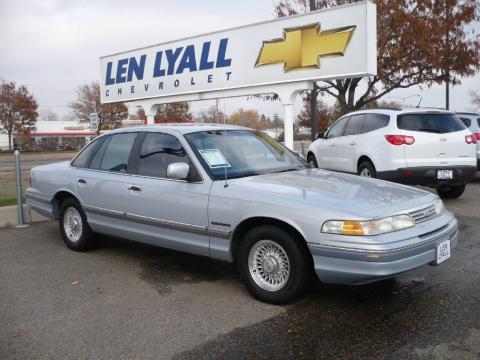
[347, 194]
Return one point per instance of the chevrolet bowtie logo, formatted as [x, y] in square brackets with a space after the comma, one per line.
[303, 47]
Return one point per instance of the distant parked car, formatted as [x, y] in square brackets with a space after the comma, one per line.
[472, 122]
[412, 146]
[235, 194]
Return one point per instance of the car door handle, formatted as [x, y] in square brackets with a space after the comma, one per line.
[353, 143]
[82, 181]
[134, 188]
[332, 144]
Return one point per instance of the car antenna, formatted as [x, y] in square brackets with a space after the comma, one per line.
[419, 101]
[225, 138]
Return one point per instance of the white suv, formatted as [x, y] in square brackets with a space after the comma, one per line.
[472, 122]
[411, 146]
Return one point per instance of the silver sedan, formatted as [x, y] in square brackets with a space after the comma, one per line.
[235, 194]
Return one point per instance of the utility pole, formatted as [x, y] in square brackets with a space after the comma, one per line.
[447, 80]
[313, 95]
[447, 43]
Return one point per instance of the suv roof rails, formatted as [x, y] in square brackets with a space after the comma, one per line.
[431, 107]
[467, 113]
[380, 108]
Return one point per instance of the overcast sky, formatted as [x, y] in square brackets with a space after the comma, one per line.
[52, 46]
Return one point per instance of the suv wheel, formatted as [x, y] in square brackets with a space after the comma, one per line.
[75, 230]
[366, 169]
[451, 192]
[273, 265]
[312, 161]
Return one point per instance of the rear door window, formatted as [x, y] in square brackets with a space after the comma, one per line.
[432, 123]
[374, 122]
[118, 152]
[355, 125]
[478, 122]
[83, 159]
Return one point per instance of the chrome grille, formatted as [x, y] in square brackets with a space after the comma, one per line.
[424, 214]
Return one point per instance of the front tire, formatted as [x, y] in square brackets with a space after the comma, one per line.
[273, 265]
[366, 169]
[75, 230]
[452, 192]
[312, 161]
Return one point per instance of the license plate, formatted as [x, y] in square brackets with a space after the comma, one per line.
[444, 174]
[443, 251]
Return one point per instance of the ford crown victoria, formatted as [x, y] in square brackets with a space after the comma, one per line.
[235, 194]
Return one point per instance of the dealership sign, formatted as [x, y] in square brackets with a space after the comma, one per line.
[327, 44]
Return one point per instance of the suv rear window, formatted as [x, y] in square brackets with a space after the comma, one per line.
[433, 123]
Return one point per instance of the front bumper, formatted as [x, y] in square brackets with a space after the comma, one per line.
[427, 175]
[358, 266]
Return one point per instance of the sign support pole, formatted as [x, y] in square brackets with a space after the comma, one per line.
[288, 123]
[150, 119]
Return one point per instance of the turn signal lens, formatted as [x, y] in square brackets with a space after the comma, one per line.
[400, 139]
[372, 227]
[352, 228]
[470, 139]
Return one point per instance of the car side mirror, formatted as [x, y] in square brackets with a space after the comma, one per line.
[178, 171]
[320, 135]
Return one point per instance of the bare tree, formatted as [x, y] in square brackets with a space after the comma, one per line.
[18, 110]
[211, 115]
[475, 99]
[48, 115]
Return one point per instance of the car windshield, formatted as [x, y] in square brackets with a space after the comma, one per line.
[247, 152]
[437, 123]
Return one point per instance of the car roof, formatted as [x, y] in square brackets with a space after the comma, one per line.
[180, 128]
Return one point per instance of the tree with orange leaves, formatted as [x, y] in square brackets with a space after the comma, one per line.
[418, 42]
[18, 110]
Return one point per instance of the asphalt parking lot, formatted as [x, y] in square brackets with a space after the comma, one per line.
[130, 301]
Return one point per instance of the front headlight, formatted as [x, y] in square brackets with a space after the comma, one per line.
[439, 207]
[371, 227]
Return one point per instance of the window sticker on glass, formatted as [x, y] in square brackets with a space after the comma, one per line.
[214, 158]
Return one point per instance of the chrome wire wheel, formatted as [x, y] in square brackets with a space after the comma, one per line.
[269, 265]
[365, 172]
[72, 224]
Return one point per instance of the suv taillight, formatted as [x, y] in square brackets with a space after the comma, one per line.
[400, 139]
[477, 136]
[471, 139]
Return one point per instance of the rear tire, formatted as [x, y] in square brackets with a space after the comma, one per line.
[452, 192]
[312, 161]
[75, 230]
[273, 265]
[366, 169]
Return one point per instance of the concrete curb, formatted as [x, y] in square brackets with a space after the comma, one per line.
[8, 216]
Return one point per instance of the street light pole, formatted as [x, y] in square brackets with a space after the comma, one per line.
[447, 48]
[314, 92]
